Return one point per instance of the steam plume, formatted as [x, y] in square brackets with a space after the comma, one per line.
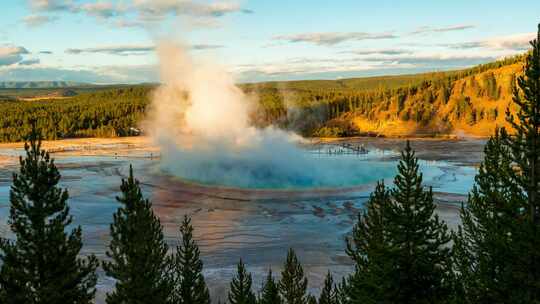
[200, 120]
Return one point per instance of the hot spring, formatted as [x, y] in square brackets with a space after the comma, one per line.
[201, 122]
[286, 168]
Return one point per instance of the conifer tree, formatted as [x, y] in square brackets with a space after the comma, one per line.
[190, 286]
[329, 293]
[399, 245]
[418, 239]
[311, 300]
[525, 147]
[137, 251]
[293, 283]
[241, 292]
[483, 246]
[42, 265]
[270, 291]
[497, 250]
[368, 248]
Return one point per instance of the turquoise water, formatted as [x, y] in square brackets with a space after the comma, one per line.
[315, 170]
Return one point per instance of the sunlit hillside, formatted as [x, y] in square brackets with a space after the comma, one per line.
[472, 105]
[470, 102]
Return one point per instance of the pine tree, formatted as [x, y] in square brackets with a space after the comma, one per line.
[525, 147]
[270, 291]
[484, 253]
[241, 292]
[368, 249]
[190, 284]
[329, 292]
[418, 239]
[42, 265]
[498, 248]
[399, 245]
[293, 284]
[137, 251]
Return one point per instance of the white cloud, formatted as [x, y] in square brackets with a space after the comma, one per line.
[138, 13]
[306, 65]
[11, 54]
[37, 20]
[197, 14]
[378, 52]
[186, 7]
[30, 61]
[125, 50]
[332, 38]
[200, 47]
[103, 9]
[360, 65]
[516, 42]
[435, 60]
[107, 74]
[51, 5]
[451, 28]
[114, 50]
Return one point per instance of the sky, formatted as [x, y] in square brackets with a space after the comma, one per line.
[107, 41]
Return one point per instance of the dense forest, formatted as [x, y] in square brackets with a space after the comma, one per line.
[471, 101]
[102, 114]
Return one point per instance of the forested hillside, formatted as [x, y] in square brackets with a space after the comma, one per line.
[471, 102]
[103, 114]
[466, 102]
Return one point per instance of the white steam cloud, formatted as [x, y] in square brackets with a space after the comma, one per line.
[200, 120]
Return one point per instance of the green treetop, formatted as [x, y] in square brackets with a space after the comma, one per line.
[293, 283]
[399, 245]
[329, 292]
[270, 291]
[137, 251]
[190, 286]
[240, 292]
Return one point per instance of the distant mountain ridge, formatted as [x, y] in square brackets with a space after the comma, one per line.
[40, 84]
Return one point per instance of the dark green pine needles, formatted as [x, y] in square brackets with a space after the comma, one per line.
[399, 245]
[137, 251]
[190, 286]
[497, 249]
[329, 293]
[483, 249]
[525, 147]
[240, 291]
[270, 291]
[293, 283]
[418, 239]
[368, 248]
[42, 264]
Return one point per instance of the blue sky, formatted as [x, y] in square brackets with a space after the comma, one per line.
[105, 41]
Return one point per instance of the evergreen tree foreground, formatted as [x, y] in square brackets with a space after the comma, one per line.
[399, 245]
[138, 253]
[497, 249]
[240, 292]
[42, 265]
